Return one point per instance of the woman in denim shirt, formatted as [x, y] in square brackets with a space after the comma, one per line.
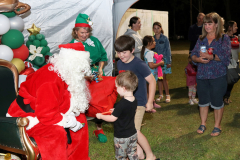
[163, 47]
[212, 70]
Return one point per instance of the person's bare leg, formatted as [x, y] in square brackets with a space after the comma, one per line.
[140, 152]
[160, 86]
[218, 113]
[165, 84]
[143, 142]
[99, 126]
[203, 116]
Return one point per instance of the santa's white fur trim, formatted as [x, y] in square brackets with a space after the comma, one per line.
[72, 66]
[8, 115]
[32, 122]
[63, 121]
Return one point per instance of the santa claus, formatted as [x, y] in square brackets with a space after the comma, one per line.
[54, 99]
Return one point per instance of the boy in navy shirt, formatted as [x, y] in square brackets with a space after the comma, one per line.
[124, 47]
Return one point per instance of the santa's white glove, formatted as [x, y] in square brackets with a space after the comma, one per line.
[77, 127]
[71, 121]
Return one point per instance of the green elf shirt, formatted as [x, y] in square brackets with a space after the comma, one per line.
[97, 52]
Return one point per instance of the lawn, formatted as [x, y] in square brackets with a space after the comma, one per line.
[171, 131]
[177, 45]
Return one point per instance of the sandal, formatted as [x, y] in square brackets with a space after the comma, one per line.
[159, 98]
[155, 105]
[145, 158]
[152, 111]
[216, 132]
[168, 99]
[226, 101]
[201, 128]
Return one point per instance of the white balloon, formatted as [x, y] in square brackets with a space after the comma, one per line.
[6, 53]
[4, 24]
[17, 23]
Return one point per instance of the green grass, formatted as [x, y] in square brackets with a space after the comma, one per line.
[171, 131]
[177, 45]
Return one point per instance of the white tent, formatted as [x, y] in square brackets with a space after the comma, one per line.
[57, 18]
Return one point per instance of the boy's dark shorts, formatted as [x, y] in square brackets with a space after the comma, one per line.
[211, 92]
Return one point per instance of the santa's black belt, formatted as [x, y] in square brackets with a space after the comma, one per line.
[95, 64]
[27, 108]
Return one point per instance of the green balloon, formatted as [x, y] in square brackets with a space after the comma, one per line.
[44, 50]
[48, 49]
[13, 39]
[43, 43]
[43, 37]
[28, 43]
[48, 54]
[35, 66]
[31, 38]
[36, 43]
[9, 14]
[39, 61]
[40, 37]
[43, 64]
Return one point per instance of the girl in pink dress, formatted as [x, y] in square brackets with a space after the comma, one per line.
[191, 72]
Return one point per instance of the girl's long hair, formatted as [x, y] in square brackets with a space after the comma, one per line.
[228, 25]
[146, 40]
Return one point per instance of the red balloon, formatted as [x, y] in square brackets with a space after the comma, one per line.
[27, 71]
[21, 52]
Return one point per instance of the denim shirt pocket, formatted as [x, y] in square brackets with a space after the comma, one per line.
[160, 47]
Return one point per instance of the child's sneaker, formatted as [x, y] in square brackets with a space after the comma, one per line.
[195, 100]
[191, 102]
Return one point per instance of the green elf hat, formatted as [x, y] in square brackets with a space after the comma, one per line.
[83, 21]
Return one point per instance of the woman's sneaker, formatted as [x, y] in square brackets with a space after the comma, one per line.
[191, 102]
[195, 100]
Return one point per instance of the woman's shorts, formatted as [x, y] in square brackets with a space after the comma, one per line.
[211, 92]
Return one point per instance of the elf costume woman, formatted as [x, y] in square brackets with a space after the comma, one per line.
[104, 93]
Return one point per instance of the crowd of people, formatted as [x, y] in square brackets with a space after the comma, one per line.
[143, 64]
[210, 54]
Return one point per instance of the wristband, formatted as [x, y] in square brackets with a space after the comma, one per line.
[213, 56]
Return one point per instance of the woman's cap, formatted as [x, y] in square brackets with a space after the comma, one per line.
[83, 20]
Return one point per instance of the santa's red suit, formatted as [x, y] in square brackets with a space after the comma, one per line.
[50, 97]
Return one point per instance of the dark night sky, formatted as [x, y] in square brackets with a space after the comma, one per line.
[183, 11]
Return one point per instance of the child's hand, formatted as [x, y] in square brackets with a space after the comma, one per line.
[161, 63]
[149, 106]
[100, 71]
[89, 78]
[111, 109]
[98, 115]
[168, 65]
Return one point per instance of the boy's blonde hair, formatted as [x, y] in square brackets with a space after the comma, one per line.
[128, 80]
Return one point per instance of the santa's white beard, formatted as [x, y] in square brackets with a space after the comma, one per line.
[72, 66]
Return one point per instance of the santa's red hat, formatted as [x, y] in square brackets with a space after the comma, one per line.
[76, 46]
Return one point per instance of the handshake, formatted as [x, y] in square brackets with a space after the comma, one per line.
[72, 123]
